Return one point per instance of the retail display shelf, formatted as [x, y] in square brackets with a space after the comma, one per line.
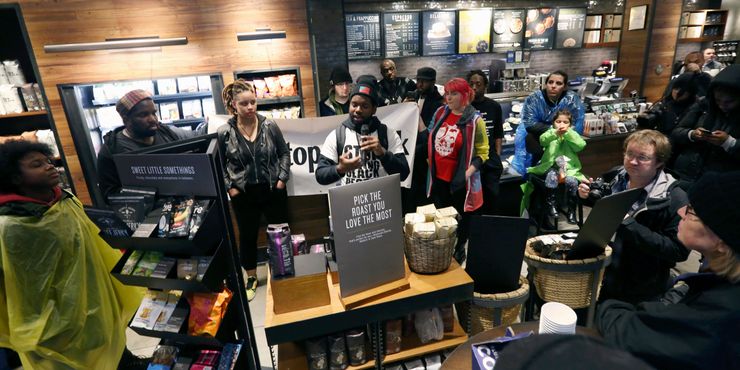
[24, 114]
[700, 39]
[186, 122]
[292, 356]
[284, 99]
[453, 285]
[180, 338]
[601, 45]
[162, 98]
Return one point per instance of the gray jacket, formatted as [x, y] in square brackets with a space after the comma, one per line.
[268, 163]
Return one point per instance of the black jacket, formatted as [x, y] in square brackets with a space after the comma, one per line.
[269, 163]
[694, 326]
[115, 142]
[326, 170]
[646, 244]
[694, 157]
[393, 92]
[326, 108]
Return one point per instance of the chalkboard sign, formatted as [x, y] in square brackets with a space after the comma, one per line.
[508, 29]
[475, 31]
[571, 24]
[540, 32]
[363, 35]
[438, 33]
[401, 34]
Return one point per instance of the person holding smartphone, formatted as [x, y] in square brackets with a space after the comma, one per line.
[706, 138]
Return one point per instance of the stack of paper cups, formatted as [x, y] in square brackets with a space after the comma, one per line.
[557, 318]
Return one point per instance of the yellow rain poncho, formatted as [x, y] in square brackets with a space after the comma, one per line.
[59, 306]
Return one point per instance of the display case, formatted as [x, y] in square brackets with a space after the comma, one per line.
[181, 101]
[602, 30]
[727, 51]
[278, 90]
[27, 118]
[702, 25]
[214, 239]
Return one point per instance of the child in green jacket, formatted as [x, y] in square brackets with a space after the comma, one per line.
[559, 164]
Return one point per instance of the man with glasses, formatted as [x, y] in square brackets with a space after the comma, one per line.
[645, 246]
[694, 325]
[337, 102]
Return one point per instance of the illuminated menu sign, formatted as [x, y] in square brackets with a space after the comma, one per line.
[508, 29]
[438, 33]
[401, 34]
[540, 33]
[363, 35]
[475, 31]
[570, 27]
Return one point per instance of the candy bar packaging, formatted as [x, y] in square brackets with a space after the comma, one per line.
[200, 208]
[14, 72]
[131, 262]
[163, 268]
[337, 352]
[356, 347]
[207, 310]
[131, 208]
[29, 97]
[149, 309]
[180, 226]
[163, 228]
[108, 222]
[203, 263]
[178, 317]
[280, 250]
[147, 264]
[393, 329]
[229, 355]
[316, 354]
[163, 358]
[169, 308]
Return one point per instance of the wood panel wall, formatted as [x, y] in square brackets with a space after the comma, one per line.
[656, 44]
[210, 26]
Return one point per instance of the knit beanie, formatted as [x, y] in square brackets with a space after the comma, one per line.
[339, 75]
[715, 198]
[128, 101]
[366, 86]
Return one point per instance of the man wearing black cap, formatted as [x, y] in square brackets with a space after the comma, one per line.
[694, 325]
[361, 148]
[337, 102]
[392, 89]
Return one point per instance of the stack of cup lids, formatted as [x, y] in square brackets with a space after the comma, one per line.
[557, 318]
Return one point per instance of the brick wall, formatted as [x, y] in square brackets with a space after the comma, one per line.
[575, 62]
[326, 20]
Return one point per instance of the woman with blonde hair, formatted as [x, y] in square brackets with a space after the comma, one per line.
[694, 325]
[256, 170]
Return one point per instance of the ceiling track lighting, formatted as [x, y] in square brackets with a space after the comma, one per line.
[139, 42]
[261, 34]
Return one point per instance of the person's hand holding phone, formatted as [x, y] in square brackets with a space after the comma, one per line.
[717, 137]
[584, 188]
[700, 134]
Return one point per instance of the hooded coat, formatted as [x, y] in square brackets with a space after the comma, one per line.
[59, 306]
[536, 118]
[697, 157]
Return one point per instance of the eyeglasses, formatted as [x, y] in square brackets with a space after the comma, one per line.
[640, 158]
[691, 214]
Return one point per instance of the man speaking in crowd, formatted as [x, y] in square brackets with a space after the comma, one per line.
[361, 148]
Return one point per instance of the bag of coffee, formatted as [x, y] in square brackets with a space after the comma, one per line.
[280, 250]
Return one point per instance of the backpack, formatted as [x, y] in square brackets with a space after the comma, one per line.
[340, 134]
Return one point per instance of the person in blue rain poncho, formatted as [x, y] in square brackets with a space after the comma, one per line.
[60, 308]
[537, 115]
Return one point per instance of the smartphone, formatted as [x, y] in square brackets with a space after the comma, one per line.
[705, 131]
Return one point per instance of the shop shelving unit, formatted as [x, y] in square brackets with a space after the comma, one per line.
[727, 51]
[279, 102]
[15, 44]
[702, 25]
[215, 238]
[286, 331]
[607, 26]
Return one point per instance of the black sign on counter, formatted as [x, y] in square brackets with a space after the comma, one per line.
[439, 33]
[363, 35]
[540, 33]
[401, 32]
[570, 28]
[170, 174]
[508, 29]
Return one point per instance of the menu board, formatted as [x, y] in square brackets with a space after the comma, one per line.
[571, 24]
[438, 33]
[401, 34]
[363, 35]
[508, 29]
[540, 33]
[475, 31]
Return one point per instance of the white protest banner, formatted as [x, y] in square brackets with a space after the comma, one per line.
[305, 136]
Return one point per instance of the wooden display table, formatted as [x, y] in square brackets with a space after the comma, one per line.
[426, 291]
[462, 358]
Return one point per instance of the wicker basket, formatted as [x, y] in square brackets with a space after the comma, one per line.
[482, 318]
[429, 256]
[573, 289]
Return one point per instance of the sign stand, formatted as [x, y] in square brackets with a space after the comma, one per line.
[378, 292]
